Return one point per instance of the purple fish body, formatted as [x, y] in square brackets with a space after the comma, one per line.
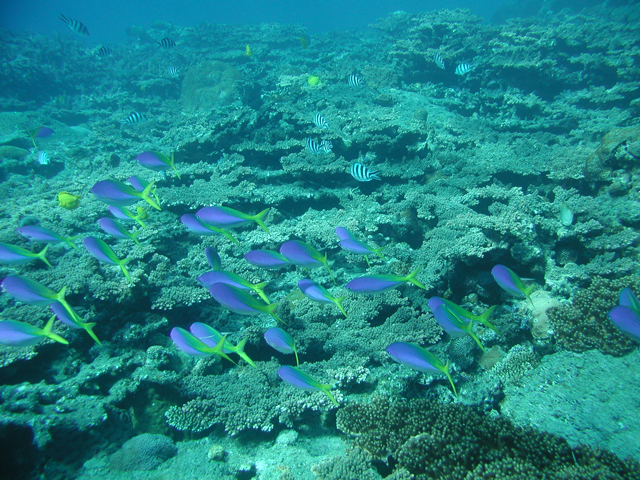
[344, 234]
[40, 234]
[297, 378]
[195, 225]
[628, 299]
[234, 299]
[15, 255]
[301, 254]
[184, 341]
[510, 282]
[627, 320]
[137, 183]
[43, 132]
[357, 247]
[448, 321]
[315, 292]
[152, 161]
[28, 291]
[225, 217]
[63, 315]
[411, 356]
[372, 284]
[115, 193]
[19, 334]
[279, 340]
[417, 358]
[113, 228]
[96, 247]
[381, 283]
[266, 259]
[213, 258]
[220, 276]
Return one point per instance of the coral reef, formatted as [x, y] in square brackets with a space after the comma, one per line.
[475, 169]
[432, 440]
[585, 325]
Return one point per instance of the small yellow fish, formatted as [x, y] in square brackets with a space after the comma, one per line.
[248, 51]
[312, 80]
[68, 200]
[304, 42]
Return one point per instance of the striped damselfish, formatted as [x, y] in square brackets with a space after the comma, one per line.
[166, 43]
[75, 25]
[281, 342]
[381, 283]
[44, 158]
[303, 255]
[118, 194]
[355, 80]
[464, 68]
[225, 217]
[211, 337]
[135, 117]
[439, 61]
[324, 146]
[363, 174]
[102, 51]
[417, 358]
[297, 378]
[19, 334]
[15, 255]
[319, 294]
[103, 252]
[241, 302]
[221, 276]
[320, 121]
[267, 259]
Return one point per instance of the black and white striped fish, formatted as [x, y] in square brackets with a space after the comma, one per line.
[102, 51]
[362, 173]
[437, 58]
[173, 71]
[135, 117]
[43, 158]
[75, 25]
[320, 121]
[166, 43]
[355, 80]
[464, 68]
[324, 146]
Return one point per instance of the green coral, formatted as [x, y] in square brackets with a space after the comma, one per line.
[584, 324]
[437, 442]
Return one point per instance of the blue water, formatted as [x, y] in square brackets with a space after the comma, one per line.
[107, 20]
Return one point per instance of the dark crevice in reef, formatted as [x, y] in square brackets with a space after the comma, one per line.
[293, 209]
